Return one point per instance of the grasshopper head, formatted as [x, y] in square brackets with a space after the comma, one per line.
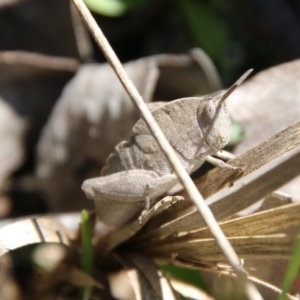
[213, 117]
[215, 122]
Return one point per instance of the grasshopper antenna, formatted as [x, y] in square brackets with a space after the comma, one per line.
[235, 85]
[225, 94]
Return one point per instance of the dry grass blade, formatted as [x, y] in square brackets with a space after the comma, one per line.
[258, 188]
[260, 223]
[199, 250]
[252, 237]
[264, 222]
[182, 174]
[248, 194]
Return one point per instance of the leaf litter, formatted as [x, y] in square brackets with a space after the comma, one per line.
[178, 234]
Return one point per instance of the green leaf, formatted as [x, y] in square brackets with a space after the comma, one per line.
[86, 243]
[86, 251]
[113, 8]
[237, 134]
[292, 271]
[187, 275]
[210, 32]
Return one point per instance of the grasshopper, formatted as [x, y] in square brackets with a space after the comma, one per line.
[138, 173]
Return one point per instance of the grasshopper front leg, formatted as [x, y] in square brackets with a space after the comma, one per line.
[121, 196]
[224, 155]
[221, 164]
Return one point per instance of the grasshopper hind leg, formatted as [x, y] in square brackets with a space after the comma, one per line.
[157, 208]
[154, 190]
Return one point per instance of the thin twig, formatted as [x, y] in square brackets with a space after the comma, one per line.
[82, 38]
[38, 60]
[183, 176]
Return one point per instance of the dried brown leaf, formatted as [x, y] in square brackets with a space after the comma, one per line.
[33, 231]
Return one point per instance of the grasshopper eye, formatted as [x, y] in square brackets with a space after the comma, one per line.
[214, 122]
[209, 111]
[206, 115]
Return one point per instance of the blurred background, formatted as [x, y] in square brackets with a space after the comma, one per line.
[235, 34]
[43, 42]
